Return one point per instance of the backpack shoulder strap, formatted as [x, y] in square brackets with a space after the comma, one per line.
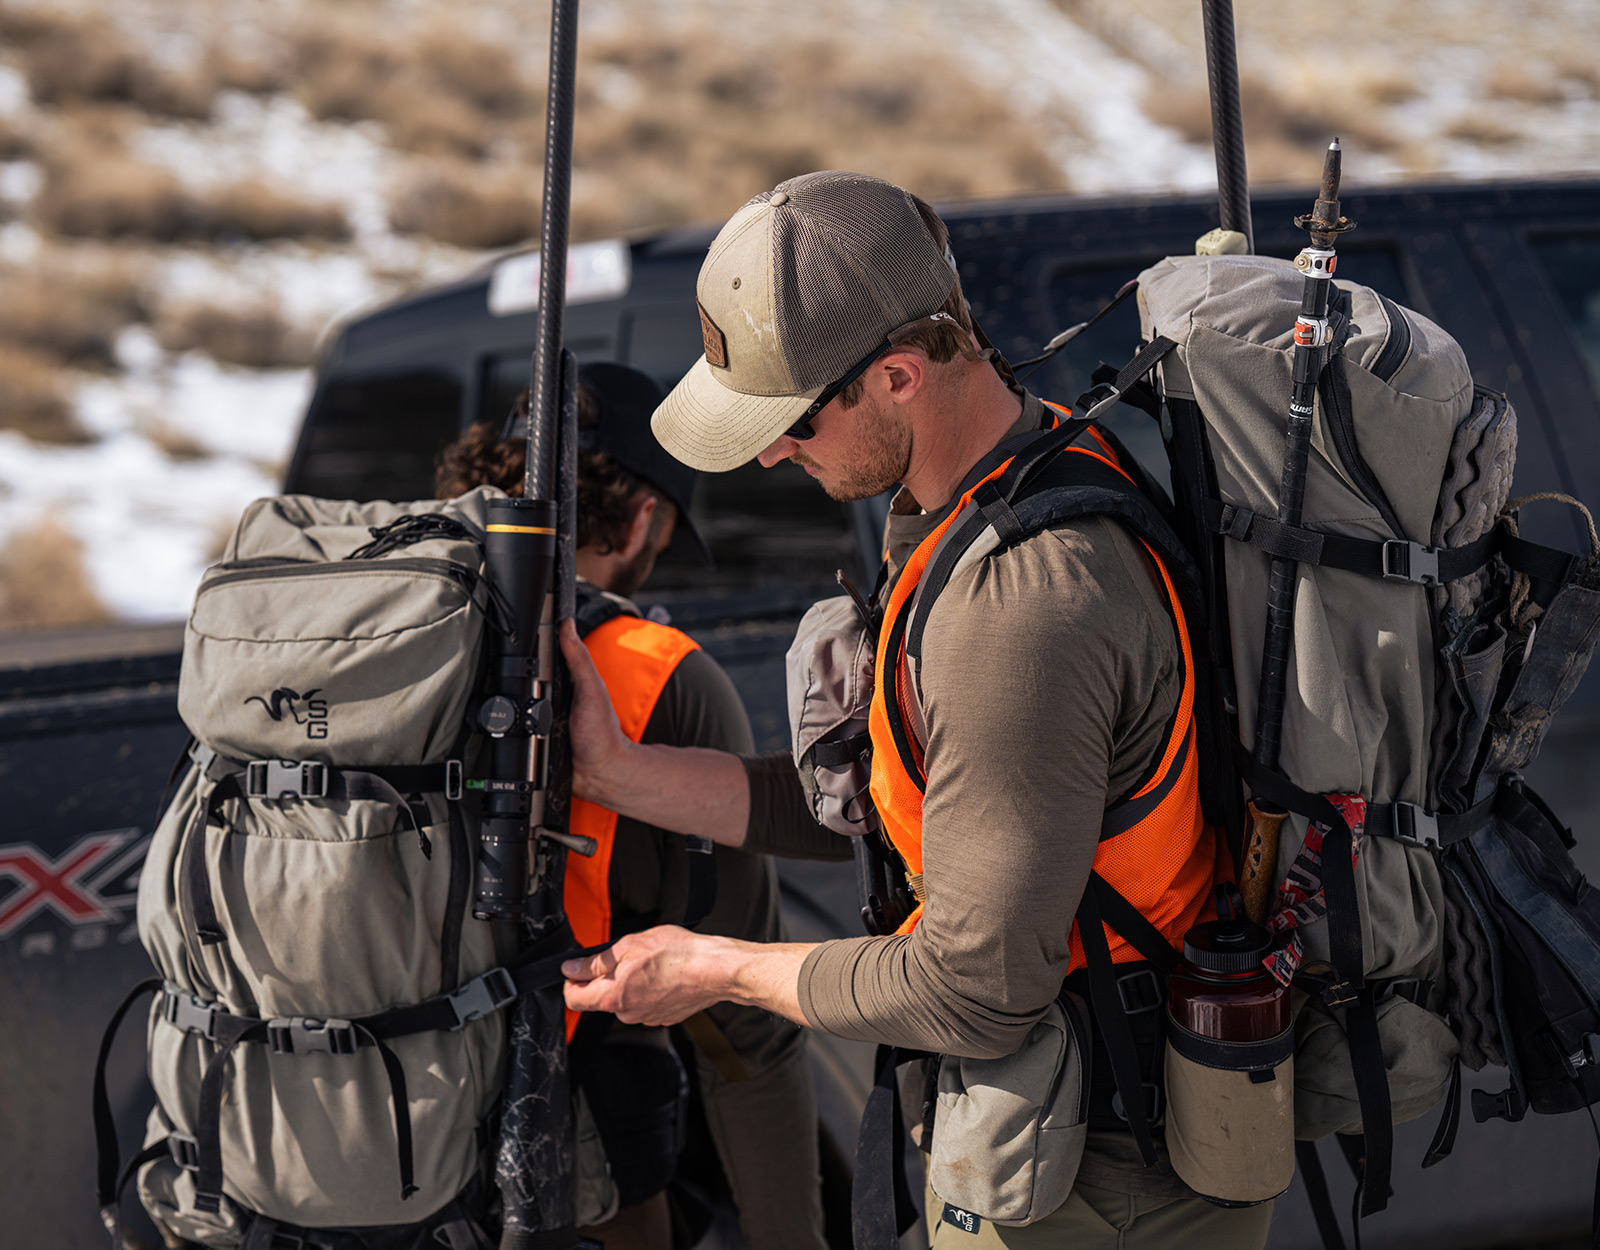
[596, 607]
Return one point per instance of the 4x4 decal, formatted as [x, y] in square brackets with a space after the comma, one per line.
[72, 886]
[305, 709]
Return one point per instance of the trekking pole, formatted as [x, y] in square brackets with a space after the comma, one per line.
[1227, 119]
[1316, 262]
[528, 554]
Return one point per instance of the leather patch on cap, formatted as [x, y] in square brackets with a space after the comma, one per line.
[716, 342]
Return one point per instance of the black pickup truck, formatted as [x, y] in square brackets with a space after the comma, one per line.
[88, 722]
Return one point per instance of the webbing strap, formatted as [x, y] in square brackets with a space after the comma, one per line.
[1444, 1137]
[105, 1124]
[1393, 559]
[1112, 1019]
[1346, 954]
[1309, 1164]
[702, 894]
[881, 1205]
[231, 1030]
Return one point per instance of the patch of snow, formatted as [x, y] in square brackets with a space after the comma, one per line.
[19, 243]
[156, 521]
[309, 286]
[275, 140]
[13, 91]
[20, 181]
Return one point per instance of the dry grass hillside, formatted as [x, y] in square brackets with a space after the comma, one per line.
[192, 191]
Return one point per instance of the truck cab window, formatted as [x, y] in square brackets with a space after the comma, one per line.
[375, 438]
[1572, 264]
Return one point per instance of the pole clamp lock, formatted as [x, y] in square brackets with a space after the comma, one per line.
[299, 1035]
[283, 779]
[1311, 331]
[1316, 262]
[1406, 561]
[482, 996]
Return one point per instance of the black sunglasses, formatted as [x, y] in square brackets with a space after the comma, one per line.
[801, 429]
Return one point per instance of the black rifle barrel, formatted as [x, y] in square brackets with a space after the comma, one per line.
[546, 398]
[1316, 262]
[1227, 119]
[535, 1165]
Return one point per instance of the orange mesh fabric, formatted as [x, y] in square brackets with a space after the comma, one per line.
[1165, 865]
[635, 658]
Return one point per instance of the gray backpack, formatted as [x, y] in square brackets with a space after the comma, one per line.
[1420, 678]
[325, 1044]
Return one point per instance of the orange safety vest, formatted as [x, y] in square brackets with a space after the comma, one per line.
[636, 658]
[1161, 857]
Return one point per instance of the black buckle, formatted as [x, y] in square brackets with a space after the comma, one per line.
[454, 781]
[697, 845]
[1339, 994]
[1416, 826]
[1154, 1103]
[1095, 400]
[1413, 989]
[482, 996]
[1140, 991]
[1406, 561]
[281, 779]
[300, 1035]
[190, 1014]
[185, 1151]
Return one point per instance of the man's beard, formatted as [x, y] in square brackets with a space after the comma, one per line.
[877, 458]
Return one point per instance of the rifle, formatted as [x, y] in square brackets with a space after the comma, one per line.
[530, 557]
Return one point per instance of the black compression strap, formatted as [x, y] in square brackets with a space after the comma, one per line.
[881, 1205]
[1339, 551]
[1125, 814]
[701, 895]
[1316, 1183]
[208, 1115]
[105, 1123]
[1444, 1137]
[1132, 925]
[1112, 1020]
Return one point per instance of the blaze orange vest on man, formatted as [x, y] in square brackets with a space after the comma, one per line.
[636, 658]
[1155, 849]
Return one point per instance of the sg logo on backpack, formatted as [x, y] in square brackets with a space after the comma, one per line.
[302, 708]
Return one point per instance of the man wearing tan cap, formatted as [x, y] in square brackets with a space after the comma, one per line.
[1038, 705]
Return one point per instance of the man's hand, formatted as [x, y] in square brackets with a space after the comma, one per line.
[666, 974]
[681, 789]
[599, 748]
[660, 976]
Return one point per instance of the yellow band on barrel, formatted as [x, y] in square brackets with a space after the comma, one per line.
[520, 529]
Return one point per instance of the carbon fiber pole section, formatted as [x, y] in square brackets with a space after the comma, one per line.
[546, 396]
[1227, 119]
[1316, 262]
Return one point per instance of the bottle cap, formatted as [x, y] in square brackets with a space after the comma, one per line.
[1230, 944]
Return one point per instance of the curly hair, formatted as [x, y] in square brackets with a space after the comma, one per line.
[608, 495]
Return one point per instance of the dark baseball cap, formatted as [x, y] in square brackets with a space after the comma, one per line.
[624, 400]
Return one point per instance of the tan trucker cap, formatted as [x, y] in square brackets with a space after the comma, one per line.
[802, 282]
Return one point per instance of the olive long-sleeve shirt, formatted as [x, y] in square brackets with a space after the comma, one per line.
[1050, 671]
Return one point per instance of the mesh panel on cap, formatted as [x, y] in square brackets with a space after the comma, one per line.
[852, 261]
